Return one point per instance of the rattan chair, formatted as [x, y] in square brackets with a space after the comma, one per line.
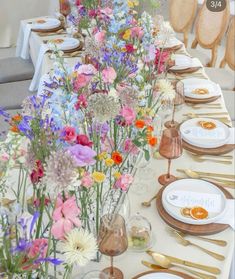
[182, 13]
[210, 28]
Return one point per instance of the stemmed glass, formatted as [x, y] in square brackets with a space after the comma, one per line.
[178, 101]
[95, 275]
[112, 239]
[65, 9]
[170, 148]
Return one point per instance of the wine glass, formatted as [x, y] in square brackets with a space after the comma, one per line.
[178, 101]
[65, 9]
[113, 241]
[170, 148]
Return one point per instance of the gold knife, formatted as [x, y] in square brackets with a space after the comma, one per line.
[152, 266]
[210, 269]
[212, 174]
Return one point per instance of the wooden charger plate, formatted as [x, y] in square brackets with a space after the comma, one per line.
[182, 275]
[201, 101]
[207, 229]
[224, 149]
[48, 30]
[185, 71]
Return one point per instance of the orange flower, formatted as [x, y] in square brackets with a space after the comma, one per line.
[152, 141]
[139, 124]
[16, 118]
[14, 129]
[150, 128]
[117, 158]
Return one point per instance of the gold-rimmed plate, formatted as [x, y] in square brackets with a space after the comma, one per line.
[162, 274]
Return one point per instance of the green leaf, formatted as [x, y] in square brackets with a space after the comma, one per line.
[146, 155]
[137, 143]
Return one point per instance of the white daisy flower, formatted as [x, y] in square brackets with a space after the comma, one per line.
[79, 247]
[166, 88]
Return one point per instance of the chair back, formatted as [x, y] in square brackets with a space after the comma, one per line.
[182, 13]
[230, 45]
[211, 26]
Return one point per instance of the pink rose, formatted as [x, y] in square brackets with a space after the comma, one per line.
[81, 81]
[38, 248]
[65, 217]
[87, 69]
[124, 182]
[87, 181]
[109, 75]
[100, 37]
[129, 115]
[69, 134]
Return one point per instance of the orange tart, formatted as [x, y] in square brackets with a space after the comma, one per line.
[57, 41]
[201, 91]
[198, 213]
[208, 125]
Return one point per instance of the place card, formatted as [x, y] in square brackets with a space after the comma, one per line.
[211, 202]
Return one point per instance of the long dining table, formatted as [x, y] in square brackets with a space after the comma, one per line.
[163, 242]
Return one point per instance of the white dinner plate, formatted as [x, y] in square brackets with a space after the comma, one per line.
[49, 23]
[190, 193]
[66, 44]
[182, 62]
[160, 275]
[190, 84]
[195, 135]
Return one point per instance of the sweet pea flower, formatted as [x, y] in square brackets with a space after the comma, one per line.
[81, 102]
[38, 248]
[69, 134]
[137, 32]
[124, 182]
[109, 75]
[128, 114]
[88, 70]
[65, 217]
[130, 147]
[84, 140]
[83, 155]
[100, 37]
[87, 181]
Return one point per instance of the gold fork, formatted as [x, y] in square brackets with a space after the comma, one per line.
[211, 240]
[186, 242]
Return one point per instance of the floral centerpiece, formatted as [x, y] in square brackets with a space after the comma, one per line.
[78, 138]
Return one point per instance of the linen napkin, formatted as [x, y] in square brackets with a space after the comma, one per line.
[37, 74]
[228, 217]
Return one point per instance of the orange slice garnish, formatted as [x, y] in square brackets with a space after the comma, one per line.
[57, 41]
[186, 212]
[208, 125]
[201, 91]
[40, 21]
[199, 213]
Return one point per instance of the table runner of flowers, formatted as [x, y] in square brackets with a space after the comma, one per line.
[79, 138]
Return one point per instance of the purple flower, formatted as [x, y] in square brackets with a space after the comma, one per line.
[83, 155]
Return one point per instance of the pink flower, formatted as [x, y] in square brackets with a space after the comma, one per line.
[130, 147]
[65, 217]
[124, 182]
[81, 81]
[82, 102]
[100, 37]
[107, 11]
[87, 181]
[137, 32]
[129, 115]
[69, 134]
[84, 140]
[109, 75]
[151, 54]
[87, 69]
[160, 60]
[4, 157]
[38, 248]
[37, 173]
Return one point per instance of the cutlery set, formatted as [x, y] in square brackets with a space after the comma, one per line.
[223, 159]
[165, 261]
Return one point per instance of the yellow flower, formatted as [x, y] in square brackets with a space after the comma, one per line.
[102, 156]
[132, 3]
[117, 175]
[127, 35]
[98, 177]
[109, 162]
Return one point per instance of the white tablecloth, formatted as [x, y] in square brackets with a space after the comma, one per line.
[130, 263]
[13, 11]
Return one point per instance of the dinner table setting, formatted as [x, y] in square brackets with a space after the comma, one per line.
[121, 165]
